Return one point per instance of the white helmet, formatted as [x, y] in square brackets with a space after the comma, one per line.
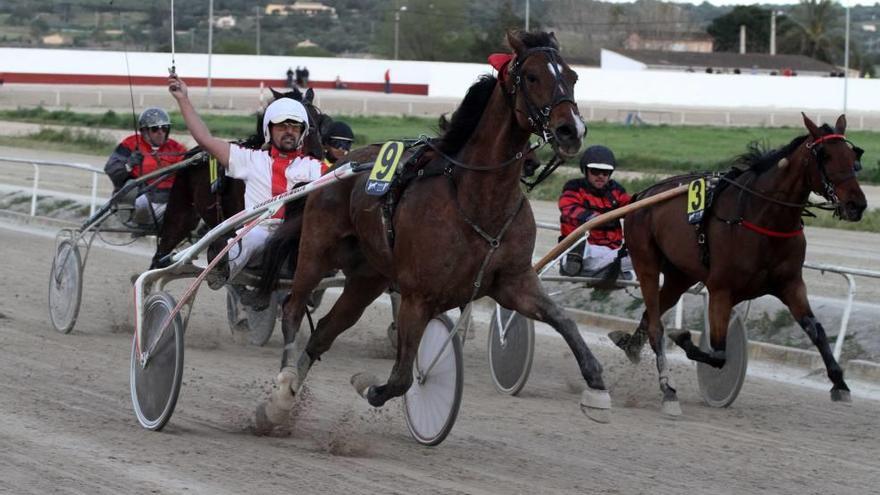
[282, 110]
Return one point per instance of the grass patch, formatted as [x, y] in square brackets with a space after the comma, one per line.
[870, 221]
[64, 140]
[657, 149]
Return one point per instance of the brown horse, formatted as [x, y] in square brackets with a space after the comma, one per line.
[755, 245]
[193, 196]
[462, 229]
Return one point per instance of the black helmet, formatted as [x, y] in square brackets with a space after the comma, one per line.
[339, 130]
[599, 157]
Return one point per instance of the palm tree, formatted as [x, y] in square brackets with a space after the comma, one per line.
[814, 30]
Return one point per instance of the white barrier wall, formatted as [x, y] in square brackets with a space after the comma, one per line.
[597, 86]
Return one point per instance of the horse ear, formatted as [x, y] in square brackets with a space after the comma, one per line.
[554, 40]
[310, 96]
[296, 94]
[276, 94]
[840, 125]
[513, 40]
[811, 126]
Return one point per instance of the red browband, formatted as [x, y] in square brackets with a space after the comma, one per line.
[822, 139]
[772, 233]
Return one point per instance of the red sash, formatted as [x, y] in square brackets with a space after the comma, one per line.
[280, 162]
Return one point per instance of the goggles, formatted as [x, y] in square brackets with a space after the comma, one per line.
[157, 128]
[342, 144]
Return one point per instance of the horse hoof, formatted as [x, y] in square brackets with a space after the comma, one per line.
[840, 395]
[262, 425]
[671, 408]
[623, 341]
[362, 383]
[596, 405]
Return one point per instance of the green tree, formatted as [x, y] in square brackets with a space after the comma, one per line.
[39, 28]
[428, 30]
[491, 36]
[815, 30]
[725, 29]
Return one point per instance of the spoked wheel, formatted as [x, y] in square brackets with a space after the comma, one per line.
[720, 386]
[65, 286]
[258, 325]
[431, 403]
[511, 350]
[156, 385]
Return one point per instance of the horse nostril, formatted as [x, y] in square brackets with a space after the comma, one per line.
[566, 132]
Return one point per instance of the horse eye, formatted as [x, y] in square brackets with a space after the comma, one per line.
[531, 78]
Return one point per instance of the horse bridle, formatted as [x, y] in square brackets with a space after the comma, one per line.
[539, 117]
[816, 147]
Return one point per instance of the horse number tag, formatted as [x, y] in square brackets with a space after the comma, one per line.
[384, 168]
[696, 201]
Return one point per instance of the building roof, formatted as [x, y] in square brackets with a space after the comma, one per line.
[727, 60]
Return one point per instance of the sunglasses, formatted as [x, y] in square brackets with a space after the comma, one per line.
[157, 128]
[341, 144]
[596, 171]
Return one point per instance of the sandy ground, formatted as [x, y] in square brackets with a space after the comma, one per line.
[66, 424]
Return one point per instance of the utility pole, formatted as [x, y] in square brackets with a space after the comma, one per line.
[773, 32]
[527, 15]
[210, 47]
[846, 62]
[258, 28]
[742, 38]
[396, 32]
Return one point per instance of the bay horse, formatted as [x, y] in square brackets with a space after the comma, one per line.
[755, 244]
[193, 197]
[462, 229]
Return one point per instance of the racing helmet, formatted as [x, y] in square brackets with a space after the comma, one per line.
[152, 117]
[282, 110]
[598, 157]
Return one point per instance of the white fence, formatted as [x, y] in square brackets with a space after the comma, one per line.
[48, 163]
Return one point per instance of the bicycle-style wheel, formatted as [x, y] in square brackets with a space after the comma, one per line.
[511, 349]
[65, 286]
[719, 387]
[155, 386]
[432, 402]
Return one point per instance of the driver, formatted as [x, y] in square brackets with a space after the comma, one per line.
[588, 197]
[267, 172]
[143, 153]
[337, 142]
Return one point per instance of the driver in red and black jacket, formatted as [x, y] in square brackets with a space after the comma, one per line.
[584, 198]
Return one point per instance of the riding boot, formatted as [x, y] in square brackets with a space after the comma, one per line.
[572, 264]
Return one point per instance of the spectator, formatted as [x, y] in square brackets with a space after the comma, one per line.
[338, 84]
[302, 79]
[388, 81]
[289, 83]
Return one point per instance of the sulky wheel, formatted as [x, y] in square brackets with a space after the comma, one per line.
[258, 325]
[511, 349]
[720, 386]
[65, 286]
[155, 385]
[431, 404]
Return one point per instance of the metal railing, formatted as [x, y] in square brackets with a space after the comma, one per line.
[49, 163]
[847, 273]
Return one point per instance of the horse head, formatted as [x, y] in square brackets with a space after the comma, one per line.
[837, 161]
[318, 121]
[542, 86]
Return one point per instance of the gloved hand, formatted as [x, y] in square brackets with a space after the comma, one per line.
[135, 159]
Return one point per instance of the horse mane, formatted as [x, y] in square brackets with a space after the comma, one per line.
[759, 158]
[466, 117]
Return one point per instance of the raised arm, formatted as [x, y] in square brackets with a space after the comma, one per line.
[215, 146]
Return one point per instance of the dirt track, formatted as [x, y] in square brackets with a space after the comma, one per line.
[66, 424]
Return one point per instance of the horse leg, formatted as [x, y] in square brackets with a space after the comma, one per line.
[276, 410]
[179, 220]
[720, 305]
[654, 326]
[795, 297]
[412, 318]
[523, 293]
